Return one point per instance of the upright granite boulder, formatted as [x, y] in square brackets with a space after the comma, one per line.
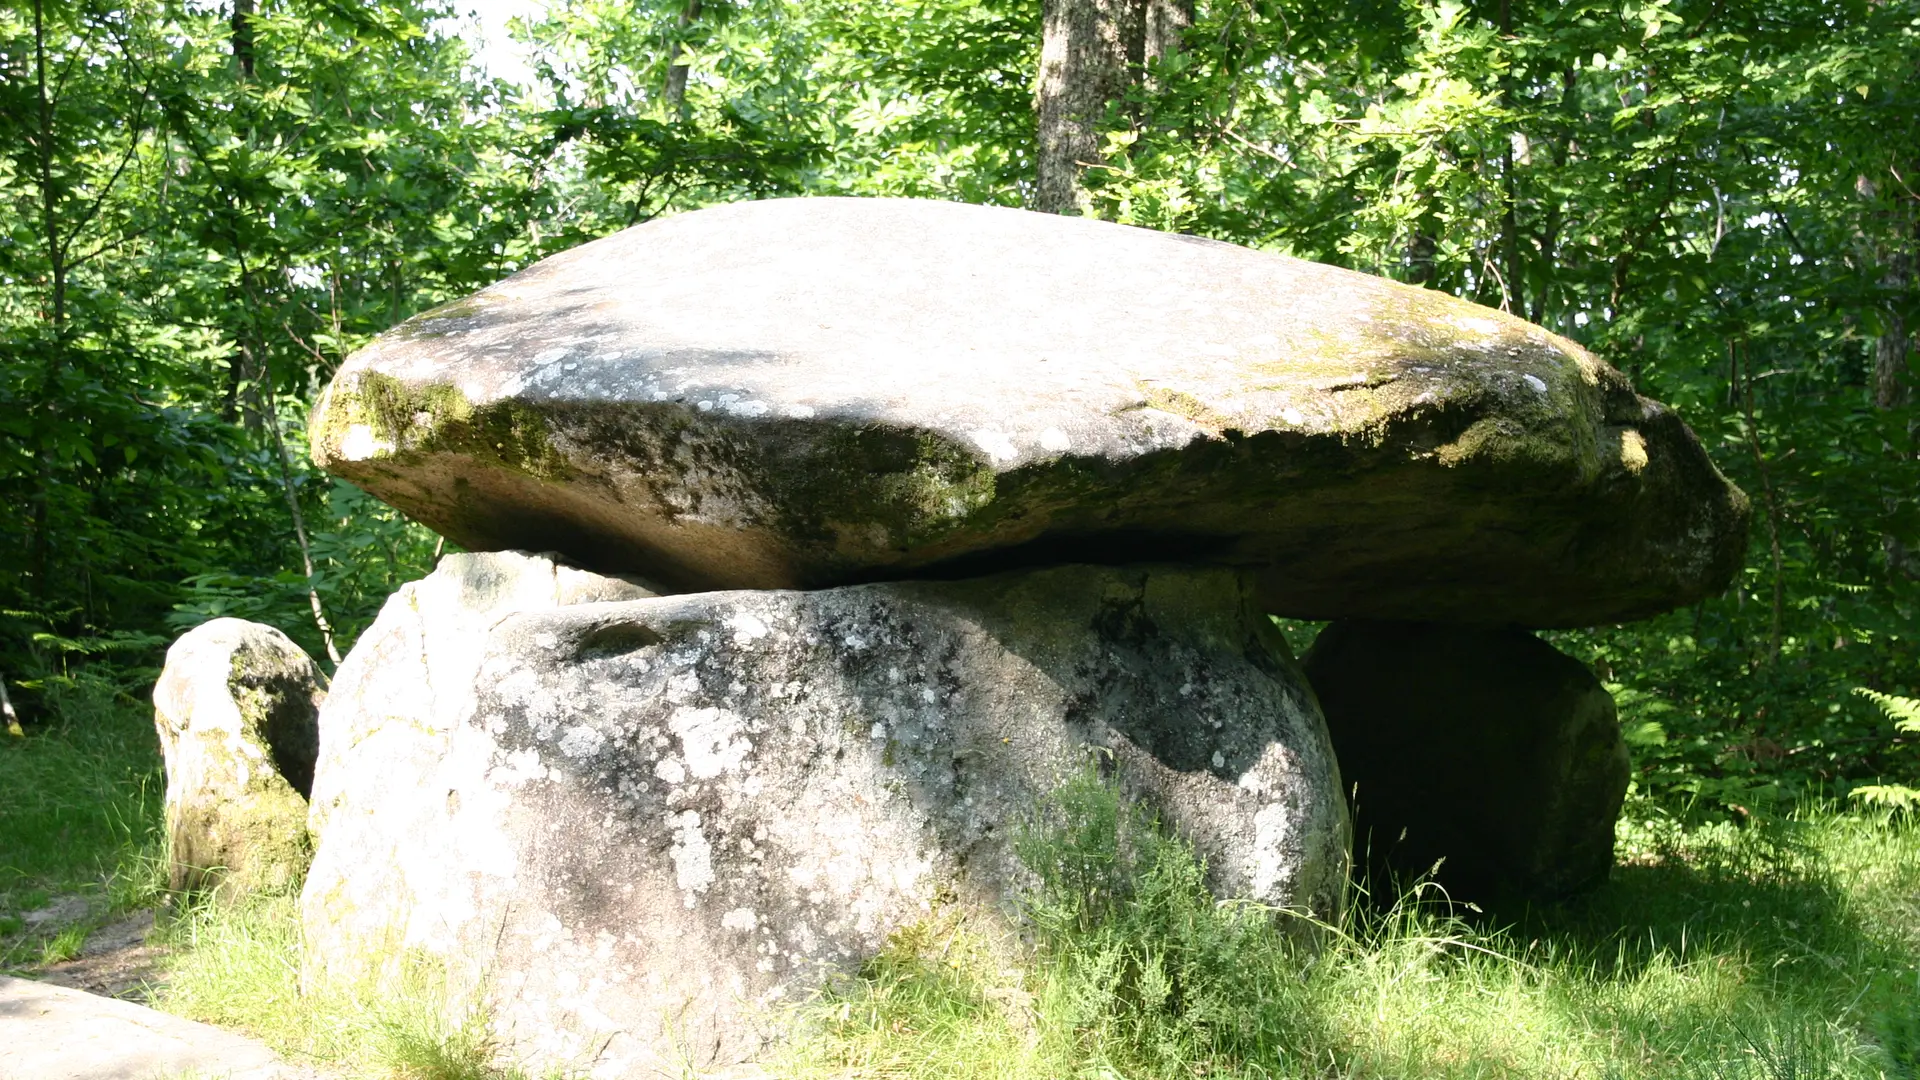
[644, 826]
[1485, 751]
[236, 709]
[814, 392]
[389, 720]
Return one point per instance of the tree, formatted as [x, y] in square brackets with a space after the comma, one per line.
[1095, 53]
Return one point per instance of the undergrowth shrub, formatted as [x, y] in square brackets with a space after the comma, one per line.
[1789, 952]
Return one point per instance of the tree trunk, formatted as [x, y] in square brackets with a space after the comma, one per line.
[1890, 350]
[1891, 390]
[47, 411]
[1771, 497]
[243, 36]
[1512, 296]
[677, 71]
[1092, 52]
[6, 712]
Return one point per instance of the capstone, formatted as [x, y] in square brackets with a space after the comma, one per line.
[807, 393]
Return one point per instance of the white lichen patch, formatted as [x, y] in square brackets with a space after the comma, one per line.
[360, 444]
[712, 740]
[516, 769]
[1272, 867]
[1055, 441]
[692, 856]
[1474, 324]
[581, 741]
[747, 627]
[996, 444]
[741, 919]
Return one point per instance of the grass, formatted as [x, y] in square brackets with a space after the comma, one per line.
[80, 817]
[239, 967]
[1787, 949]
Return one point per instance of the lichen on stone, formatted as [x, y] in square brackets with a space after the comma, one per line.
[372, 416]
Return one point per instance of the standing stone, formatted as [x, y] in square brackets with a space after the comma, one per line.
[646, 826]
[396, 696]
[1487, 748]
[236, 711]
[805, 393]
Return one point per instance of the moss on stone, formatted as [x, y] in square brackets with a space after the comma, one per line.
[240, 847]
[1182, 404]
[404, 421]
[916, 486]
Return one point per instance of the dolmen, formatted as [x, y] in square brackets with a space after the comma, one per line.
[814, 545]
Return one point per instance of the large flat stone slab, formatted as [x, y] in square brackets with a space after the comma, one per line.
[813, 392]
[58, 1033]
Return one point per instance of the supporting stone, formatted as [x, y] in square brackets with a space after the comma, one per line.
[1485, 751]
[639, 828]
[236, 711]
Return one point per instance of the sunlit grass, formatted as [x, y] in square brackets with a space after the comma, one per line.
[80, 793]
[80, 816]
[1782, 950]
[1786, 952]
[239, 967]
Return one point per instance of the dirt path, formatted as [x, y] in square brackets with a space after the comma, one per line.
[116, 961]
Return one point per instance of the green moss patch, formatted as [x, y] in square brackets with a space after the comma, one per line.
[406, 421]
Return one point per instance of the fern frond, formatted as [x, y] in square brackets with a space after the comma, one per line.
[1904, 711]
[1889, 796]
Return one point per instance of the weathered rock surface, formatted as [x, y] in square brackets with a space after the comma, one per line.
[58, 1033]
[236, 708]
[406, 684]
[647, 825]
[1488, 748]
[812, 392]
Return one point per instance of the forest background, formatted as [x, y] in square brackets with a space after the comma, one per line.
[205, 207]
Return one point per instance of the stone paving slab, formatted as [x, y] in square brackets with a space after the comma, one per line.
[58, 1033]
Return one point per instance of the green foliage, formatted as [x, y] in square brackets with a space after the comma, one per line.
[363, 550]
[82, 798]
[200, 223]
[1905, 714]
[195, 239]
[80, 817]
[1152, 973]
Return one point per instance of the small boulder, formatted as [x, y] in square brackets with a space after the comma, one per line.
[648, 825]
[236, 711]
[1486, 748]
[805, 393]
